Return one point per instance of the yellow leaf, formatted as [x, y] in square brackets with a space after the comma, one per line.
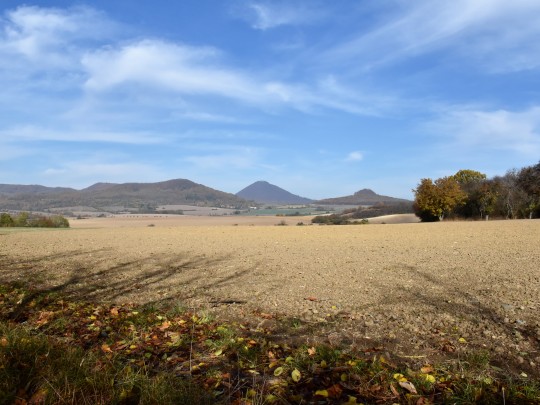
[218, 352]
[352, 400]
[323, 364]
[399, 377]
[311, 351]
[322, 393]
[270, 398]
[429, 378]
[462, 340]
[289, 359]
[278, 371]
[344, 377]
[296, 375]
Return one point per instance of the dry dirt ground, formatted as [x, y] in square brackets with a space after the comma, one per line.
[420, 290]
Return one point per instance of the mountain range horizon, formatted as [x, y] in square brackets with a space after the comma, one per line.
[148, 196]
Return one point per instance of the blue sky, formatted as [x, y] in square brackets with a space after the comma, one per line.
[320, 98]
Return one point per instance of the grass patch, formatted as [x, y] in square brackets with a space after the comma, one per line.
[39, 369]
[60, 351]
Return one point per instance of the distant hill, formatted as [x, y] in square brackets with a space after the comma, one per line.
[266, 193]
[136, 197]
[363, 197]
[14, 189]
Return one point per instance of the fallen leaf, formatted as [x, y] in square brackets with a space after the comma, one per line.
[278, 371]
[296, 375]
[408, 386]
[394, 390]
[335, 391]
[311, 351]
[322, 393]
[311, 299]
[165, 325]
[429, 378]
[427, 369]
[106, 348]
[114, 311]
[399, 377]
[44, 317]
[462, 340]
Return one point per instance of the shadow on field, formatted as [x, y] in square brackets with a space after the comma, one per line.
[482, 312]
[91, 275]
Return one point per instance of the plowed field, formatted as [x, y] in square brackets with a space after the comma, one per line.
[417, 289]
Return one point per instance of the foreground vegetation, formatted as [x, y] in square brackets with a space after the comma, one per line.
[56, 350]
[470, 194]
[24, 219]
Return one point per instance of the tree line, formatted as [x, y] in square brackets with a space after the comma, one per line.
[24, 219]
[469, 194]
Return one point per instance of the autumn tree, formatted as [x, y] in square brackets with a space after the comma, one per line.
[466, 176]
[479, 195]
[435, 200]
[511, 198]
[528, 180]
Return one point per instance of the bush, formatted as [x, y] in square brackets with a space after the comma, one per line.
[6, 220]
[37, 221]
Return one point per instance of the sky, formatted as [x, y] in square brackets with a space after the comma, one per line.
[320, 98]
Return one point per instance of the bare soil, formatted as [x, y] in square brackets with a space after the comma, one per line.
[420, 290]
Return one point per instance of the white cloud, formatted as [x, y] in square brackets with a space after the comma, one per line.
[355, 156]
[501, 35]
[164, 66]
[265, 15]
[49, 36]
[34, 133]
[503, 130]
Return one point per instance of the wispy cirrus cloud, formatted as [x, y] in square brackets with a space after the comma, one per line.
[264, 15]
[198, 71]
[466, 28]
[32, 133]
